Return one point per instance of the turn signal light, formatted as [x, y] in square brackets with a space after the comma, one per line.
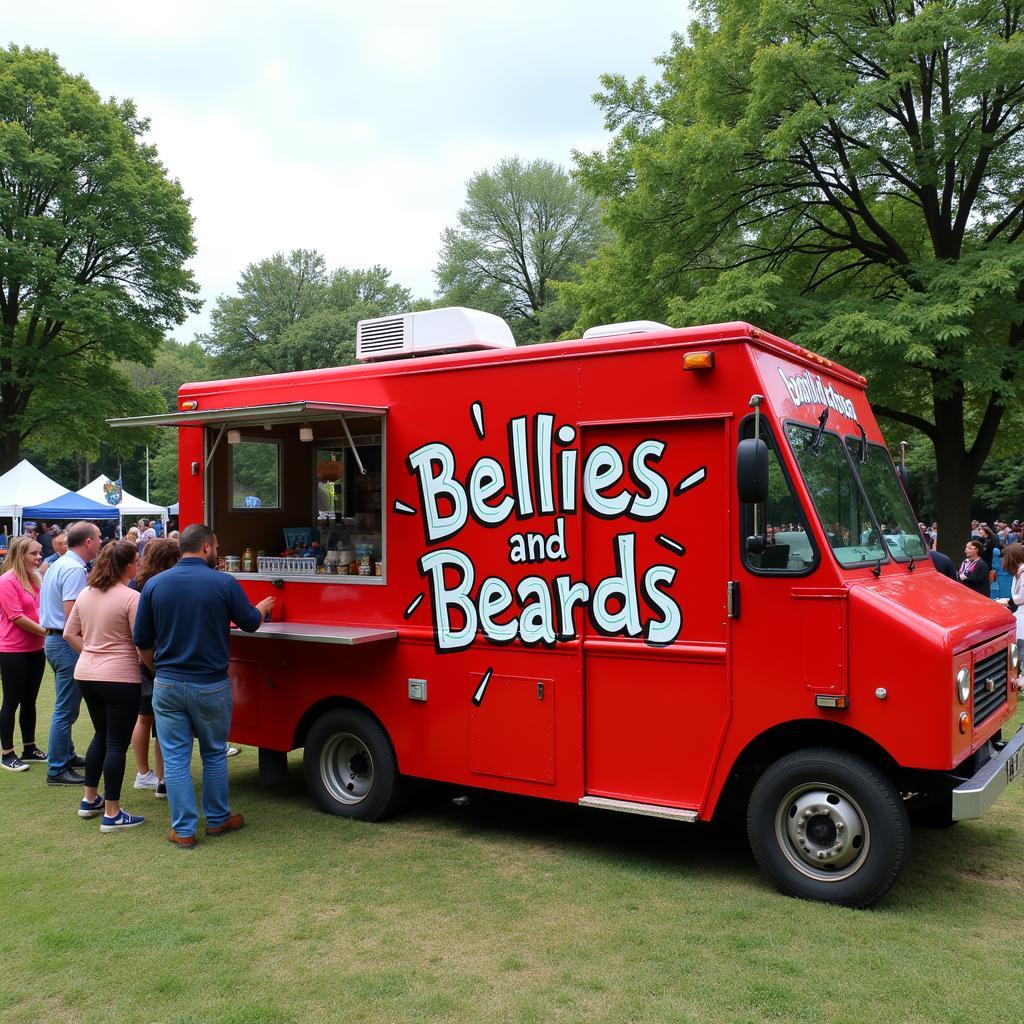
[965, 721]
[699, 361]
[190, 406]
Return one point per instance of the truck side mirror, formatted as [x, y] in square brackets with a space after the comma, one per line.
[752, 471]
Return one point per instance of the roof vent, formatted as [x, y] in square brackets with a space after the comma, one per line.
[628, 327]
[453, 329]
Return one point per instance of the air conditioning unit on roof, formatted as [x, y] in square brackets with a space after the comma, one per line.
[453, 329]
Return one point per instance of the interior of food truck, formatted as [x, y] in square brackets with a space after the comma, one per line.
[299, 497]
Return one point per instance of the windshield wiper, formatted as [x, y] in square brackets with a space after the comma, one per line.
[816, 443]
[862, 458]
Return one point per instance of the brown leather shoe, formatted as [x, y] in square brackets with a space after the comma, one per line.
[182, 842]
[233, 824]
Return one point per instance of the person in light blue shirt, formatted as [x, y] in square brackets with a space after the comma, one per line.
[63, 582]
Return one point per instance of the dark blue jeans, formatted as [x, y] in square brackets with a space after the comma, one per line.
[203, 711]
[62, 659]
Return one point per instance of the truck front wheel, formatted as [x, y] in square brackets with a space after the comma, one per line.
[350, 767]
[827, 825]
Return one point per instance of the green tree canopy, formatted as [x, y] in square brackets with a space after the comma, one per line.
[849, 174]
[523, 228]
[290, 313]
[94, 238]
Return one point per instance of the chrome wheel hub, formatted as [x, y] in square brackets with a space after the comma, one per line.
[822, 831]
[346, 768]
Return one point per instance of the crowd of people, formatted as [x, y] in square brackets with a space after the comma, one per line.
[138, 629]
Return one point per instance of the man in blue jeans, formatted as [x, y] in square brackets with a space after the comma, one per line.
[181, 630]
[63, 582]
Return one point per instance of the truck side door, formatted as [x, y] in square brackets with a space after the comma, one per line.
[655, 653]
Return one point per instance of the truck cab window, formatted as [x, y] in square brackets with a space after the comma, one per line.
[846, 520]
[895, 517]
[787, 545]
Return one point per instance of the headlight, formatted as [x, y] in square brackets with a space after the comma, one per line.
[1014, 657]
[963, 685]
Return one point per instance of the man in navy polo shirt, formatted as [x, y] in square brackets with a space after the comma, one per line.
[181, 630]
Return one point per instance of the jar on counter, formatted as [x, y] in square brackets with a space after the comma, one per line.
[248, 560]
[232, 563]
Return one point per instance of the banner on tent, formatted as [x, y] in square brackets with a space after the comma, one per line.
[112, 491]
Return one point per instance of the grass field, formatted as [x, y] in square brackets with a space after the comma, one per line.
[504, 910]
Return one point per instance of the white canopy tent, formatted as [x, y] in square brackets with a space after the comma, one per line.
[129, 506]
[24, 486]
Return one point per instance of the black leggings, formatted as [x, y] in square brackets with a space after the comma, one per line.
[21, 673]
[113, 708]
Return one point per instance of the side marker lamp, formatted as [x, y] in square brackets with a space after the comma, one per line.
[189, 406]
[965, 721]
[699, 361]
[827, 700]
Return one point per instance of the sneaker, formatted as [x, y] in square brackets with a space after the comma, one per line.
[146, 780]
[161, 791]
[91, 810]
[233, 751]
[77, 762]
[13, 763]
[120, 822]
[33, 754]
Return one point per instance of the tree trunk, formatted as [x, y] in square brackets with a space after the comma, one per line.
[953, 509]
[10, 450]
[956, 475]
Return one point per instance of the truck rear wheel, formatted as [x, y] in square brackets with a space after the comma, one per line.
[827, 825]
[350, 767]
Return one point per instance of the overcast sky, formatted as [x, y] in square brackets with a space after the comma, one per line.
[348, 128]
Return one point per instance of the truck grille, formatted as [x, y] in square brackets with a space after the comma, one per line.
[990, 678]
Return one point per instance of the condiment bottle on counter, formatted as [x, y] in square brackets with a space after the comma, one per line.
[248, 560]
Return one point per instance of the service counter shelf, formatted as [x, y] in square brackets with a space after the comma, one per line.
[310, 632]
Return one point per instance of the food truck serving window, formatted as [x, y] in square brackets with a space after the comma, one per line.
[256, 474]
[301, 499]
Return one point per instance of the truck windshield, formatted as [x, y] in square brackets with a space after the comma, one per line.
[887, 500]
[845, 517]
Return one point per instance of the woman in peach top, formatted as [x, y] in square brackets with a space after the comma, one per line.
[100, 629]
[21, 650]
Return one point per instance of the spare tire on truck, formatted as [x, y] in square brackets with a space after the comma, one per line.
[350, 766]
[828, 825]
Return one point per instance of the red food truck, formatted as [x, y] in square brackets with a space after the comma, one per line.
[657, 571]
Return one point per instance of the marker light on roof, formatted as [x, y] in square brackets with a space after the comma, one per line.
[699, 361]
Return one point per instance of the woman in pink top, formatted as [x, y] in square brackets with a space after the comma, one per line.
[21, 650]
[100, 629]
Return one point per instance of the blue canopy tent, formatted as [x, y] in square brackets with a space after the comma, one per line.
[70, 506]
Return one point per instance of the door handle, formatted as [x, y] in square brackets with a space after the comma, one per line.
[732, 599]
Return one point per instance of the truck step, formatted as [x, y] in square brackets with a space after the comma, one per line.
[633, 807]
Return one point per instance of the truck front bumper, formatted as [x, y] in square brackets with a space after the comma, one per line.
[973, 798]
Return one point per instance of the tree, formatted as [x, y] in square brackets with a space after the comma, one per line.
[291, 314]
[94, 238]
[522, 228]
[851, 172]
